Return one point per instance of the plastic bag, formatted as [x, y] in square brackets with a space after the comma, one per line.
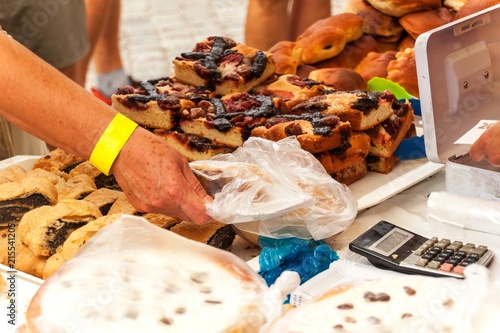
[276, 189]
[134, 276]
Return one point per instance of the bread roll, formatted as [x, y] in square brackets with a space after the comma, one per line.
[339, 78]
[398, 8]
[474, 6]
[326, 38]
[403, 70]
[420, 22]
[375, 22]
[287, 56]
[375, 64]
[352, 54]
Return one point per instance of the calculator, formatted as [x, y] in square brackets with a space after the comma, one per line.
[388, 246]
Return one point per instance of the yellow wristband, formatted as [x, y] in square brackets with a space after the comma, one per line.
[111, 142]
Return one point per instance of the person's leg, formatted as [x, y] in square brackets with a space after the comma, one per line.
[97, 13]
[266, 23]
[305, 12]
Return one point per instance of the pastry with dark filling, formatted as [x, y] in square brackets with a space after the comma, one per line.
[224, 66]
[46, 228]
[18, 198]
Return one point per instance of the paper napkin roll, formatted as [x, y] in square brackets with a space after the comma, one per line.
[464, 212]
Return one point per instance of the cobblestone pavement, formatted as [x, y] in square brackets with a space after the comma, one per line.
[153, 32]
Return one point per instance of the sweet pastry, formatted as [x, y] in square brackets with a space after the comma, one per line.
[288, 90]
[403, 70]
[419, 22]
[77, 187]
[215, 234]
[58, 160]
[375, 64]
[339, 78]
[351, 153]
[381, 164]
[287, 57]
[104, 198]
[315, 132]
[351, 173]
[228, 120]
[24, 260]
[156, 281]
[352, 53]
[398, 8]
[395, 304]
[361, 109]
[12, 173]
[474, 6]
[386, 136]
[192, 146]
[224, 66]
[74, 242]
[100, 179]
[327, 37]
[18, 198]
[45, 228]
[375, 22]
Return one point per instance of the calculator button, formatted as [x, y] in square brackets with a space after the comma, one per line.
[467, 248]
[447, 267]
[455, 246]
[428, 256]
[421, 262]
[434, 264]
[470, 260]
[440, 258]
[461, 254]
[479, 250]
[421, 250]
[453, 261]
[448, 252]
[443, 243]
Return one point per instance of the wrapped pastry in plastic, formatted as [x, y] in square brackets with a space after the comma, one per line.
[276, 189]
[133, 276]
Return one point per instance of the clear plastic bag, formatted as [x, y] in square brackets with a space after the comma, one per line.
[134, 276]
[276, 189]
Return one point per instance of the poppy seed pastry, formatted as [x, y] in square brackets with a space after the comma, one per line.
[18, 198]
[45, 228]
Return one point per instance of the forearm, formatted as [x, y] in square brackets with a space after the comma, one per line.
[40, 100]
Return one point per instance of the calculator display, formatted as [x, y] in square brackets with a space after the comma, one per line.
[390, 242]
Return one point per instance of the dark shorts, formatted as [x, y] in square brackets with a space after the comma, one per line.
[55, 30]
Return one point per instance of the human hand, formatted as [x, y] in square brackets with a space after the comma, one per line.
[157, 179]
[487, 146]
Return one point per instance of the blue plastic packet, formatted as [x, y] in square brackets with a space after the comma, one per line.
[306, 257]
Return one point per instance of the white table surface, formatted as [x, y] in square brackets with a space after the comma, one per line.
[408, 210]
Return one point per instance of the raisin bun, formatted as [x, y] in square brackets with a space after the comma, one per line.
[287, 56]
[403, 70]
[474, 6]
[339, 78]
[375, 64]
[133, 276]
[375, 23]
[398, 8]
[326, 38]
[420, 22]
